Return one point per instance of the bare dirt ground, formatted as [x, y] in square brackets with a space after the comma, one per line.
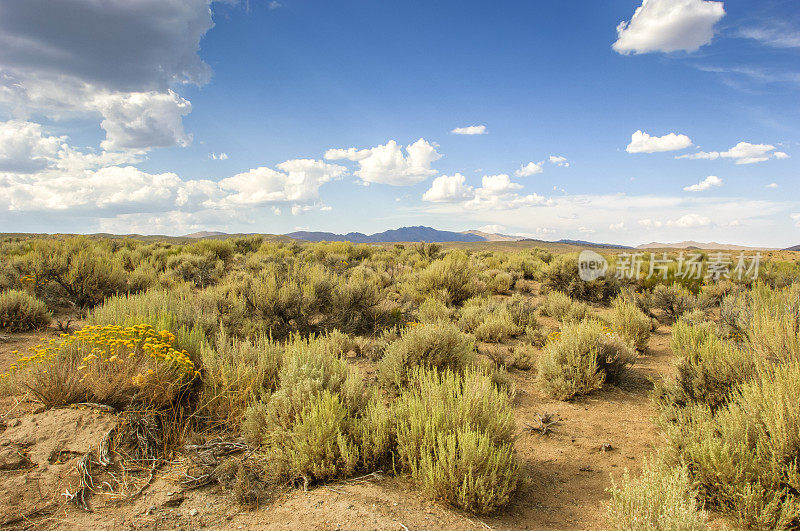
[567, 470]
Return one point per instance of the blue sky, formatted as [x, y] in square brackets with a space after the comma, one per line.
[607, 121]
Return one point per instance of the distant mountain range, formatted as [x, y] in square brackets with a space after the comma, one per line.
[710, 246]
[421, 233]
[428, 234]
[592, 244]
[403, 234]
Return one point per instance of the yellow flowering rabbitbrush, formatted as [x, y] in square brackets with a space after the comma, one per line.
[115, 365]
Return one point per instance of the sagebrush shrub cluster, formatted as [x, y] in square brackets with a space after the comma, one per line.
[308, 423]
[581, 358]
[662, 498]
[454, 435]
[562, 307]
[744, 454]
[633, 325]
[441, 346]
[732, 413]
[20, 311]
[673, 300]
[562, 274]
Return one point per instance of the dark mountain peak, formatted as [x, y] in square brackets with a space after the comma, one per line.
[417, 233]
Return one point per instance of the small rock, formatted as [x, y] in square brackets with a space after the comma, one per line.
[606, 447]
[151, 509]
[193, 512]
[174, 500]
[13, 458]
[13, 423]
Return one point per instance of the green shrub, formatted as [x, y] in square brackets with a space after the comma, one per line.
[320, 446]
[631, 323]
[562, 274]
[236, 374]
[712, 294]
[661, 499]
[743, 456]
[358, 304]
[433, 346]
[454, 435]
[309, 367]
[499, 283]
[528, 265]
[219, 249]
[308, 424]
[376, 435]
[473, 312]
[708, 369]
[522, 311]
[496, 327]
[283, 301]
[773, 330]
[767, 319]
[694, 318]
[585, 355]
[673, 300]
[562, 307]
[77, 272]
[201, 270]
[20, 311]
[450, 278]
[687, 338]
[525, 286]
[433, 311]
[523, 357]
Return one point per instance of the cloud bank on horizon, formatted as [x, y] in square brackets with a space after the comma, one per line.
[169, 116]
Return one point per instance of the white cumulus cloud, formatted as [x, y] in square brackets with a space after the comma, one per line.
[531, 168]
[690, 221]
[143, 120]
[641, 142]
[449, 189]
[497, 192]
[668, 26]
[25, 148]
[705, 184]
[294, 181]
[387, 164]
[559, 161]
[470, 130]
[741, 153]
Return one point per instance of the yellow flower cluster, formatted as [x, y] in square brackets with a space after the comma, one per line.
[607, 330]
[556, 336]
[31, 280]
[113, 344]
